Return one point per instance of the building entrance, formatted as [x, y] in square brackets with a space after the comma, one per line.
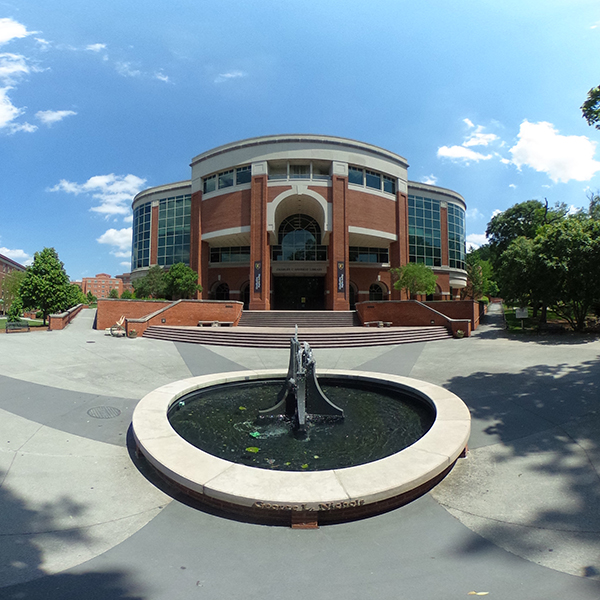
[298, 293]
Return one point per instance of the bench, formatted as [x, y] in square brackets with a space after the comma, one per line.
[378, 323]
[215, 323]
[12, 326]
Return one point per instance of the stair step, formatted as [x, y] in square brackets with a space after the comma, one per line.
[333, 338]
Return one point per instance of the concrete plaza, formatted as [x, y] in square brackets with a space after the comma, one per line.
[81, 518]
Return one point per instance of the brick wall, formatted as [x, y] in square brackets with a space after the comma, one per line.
[61, 320]
[188, 313]
[110, 311]
[410, 313]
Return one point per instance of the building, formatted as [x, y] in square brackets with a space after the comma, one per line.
[7, 265]
[101, 285]
[300, 222]
[126, 279]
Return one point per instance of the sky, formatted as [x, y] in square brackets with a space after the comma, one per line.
[100, 100]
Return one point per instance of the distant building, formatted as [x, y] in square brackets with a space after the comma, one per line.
[7, 265]
[101, 285]
[126, 279]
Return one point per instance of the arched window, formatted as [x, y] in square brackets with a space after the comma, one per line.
[245, 295]
[299, 236]
[353, 295]
[222, 292]
[376, 292]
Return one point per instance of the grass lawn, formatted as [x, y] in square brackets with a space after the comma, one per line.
[531, 325]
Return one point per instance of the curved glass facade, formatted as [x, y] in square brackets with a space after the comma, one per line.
[424, 231]
[456, 237]
[174, 230]
[140, 254]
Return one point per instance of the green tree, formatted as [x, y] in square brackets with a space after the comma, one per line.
[126, 295]
[45, 286]
[76, 296]
[570, 252]
[113, 293]
[16, 310]
[90, 298]
[10, 288]
[152, 285]
[415, 278]
[181, 282]
[523, 219]
[591, 107]
[476, 281]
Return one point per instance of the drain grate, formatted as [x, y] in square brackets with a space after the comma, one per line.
[104, 412]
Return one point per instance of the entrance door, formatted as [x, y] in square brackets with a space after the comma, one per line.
[299, 293]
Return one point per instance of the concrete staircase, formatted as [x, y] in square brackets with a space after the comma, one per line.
[302, 318]
[275, 337]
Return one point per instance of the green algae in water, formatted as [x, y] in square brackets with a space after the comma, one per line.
[378, 422]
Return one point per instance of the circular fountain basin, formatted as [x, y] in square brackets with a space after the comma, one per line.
[322, 496]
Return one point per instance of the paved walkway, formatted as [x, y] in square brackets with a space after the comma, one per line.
[518, 518]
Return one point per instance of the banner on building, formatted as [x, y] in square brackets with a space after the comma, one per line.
[258, 276]
[341, 286]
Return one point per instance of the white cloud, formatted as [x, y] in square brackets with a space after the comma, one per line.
[462, 153]
[512, 185]
[468, 123]
[496, 212]
[230, 75]
[49, 117]
[13, 67]
[162, 77]
[480, 139]
[561, 157]
[120, 239]
[17, 255]
[11, 30]
[125, 69]
[473, 213]
[429, 179]
[95, 47]
[115, 192]
[475, 240]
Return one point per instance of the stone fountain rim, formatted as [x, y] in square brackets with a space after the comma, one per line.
[349, 487]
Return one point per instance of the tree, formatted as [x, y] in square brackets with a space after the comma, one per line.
[90, 298]
[45, 286]
[113, 293]
[523, 219]
[126, 295]
[415, 278]
[476, 282]
[591, 108]
[181, 282]
[10, 288]
[152, 285]
[76, 296]
[570, 252]
[16, 310]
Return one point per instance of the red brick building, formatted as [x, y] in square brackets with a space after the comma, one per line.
[300, 222]
[101, 284]
[7, 265]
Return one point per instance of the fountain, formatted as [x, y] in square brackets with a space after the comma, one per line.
[321, 461]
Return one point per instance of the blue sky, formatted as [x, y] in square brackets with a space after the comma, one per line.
[99, 100]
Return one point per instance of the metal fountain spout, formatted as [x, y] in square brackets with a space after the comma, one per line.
[301, 396]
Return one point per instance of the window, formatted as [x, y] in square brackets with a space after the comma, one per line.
[299, 171]
[389, 185]
[456, 237]
[373, 180]
[226, 179]
[424, 231]
[299, 239]
[210, 184]
[369, 255]
[243, 175]
[376, 292]
[222, 292]
[174, 216]
[231, 254]
[140, 256]
[355, 175]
